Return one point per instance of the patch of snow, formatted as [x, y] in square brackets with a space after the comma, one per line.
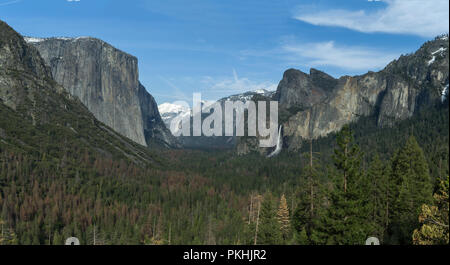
[444, 93]
[171, 111]
[171, 108]
[444, 38]
[80, 38]
[70, 38]
[33, 40]
[36, 40]
[440, 50]
[248, 95]
[432, 60]
[63, 38]
[261, 91]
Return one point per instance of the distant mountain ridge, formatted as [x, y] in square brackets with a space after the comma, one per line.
[169, 111]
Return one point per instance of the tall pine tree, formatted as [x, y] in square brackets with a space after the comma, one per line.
[345, 222]
[376, 193]
[308, 210]
[414, 188]
[269, 232]
[284, 218]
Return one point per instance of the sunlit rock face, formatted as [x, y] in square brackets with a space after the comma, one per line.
[106, 80]
[316, 104]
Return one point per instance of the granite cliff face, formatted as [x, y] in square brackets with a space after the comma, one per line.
[300, 90]
[316, 104]
[37, 115]
[106, 80]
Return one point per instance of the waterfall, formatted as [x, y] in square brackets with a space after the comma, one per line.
[279, 145]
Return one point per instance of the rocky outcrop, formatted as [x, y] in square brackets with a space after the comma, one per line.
[20, 67]
[315, 104]
[155, 131]
[106, 80]
[414, 81]
[351, 98]
[300, 90]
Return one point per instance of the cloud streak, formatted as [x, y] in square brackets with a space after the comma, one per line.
[330, 54]
[10, 2]
[327, 54]
[235, 85]
[425, 18]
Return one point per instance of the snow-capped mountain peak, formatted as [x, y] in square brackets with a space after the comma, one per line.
[261, 91]
[172, 108]
[169, 111]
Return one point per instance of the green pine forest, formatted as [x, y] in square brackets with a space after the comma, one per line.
[363, 181]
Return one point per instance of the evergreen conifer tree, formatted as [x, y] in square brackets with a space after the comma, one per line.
[269, 232]
[376, 185]
[284, 218]
[434, 219]
[411, 173]
[345, 222]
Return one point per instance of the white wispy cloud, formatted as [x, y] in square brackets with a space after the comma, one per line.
[426, 18]
[177, 92]
[353, 58]
[329, 54]
[73, 0]
[10, 2]
[235, 85]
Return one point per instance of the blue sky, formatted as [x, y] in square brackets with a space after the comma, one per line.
[224, 47]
